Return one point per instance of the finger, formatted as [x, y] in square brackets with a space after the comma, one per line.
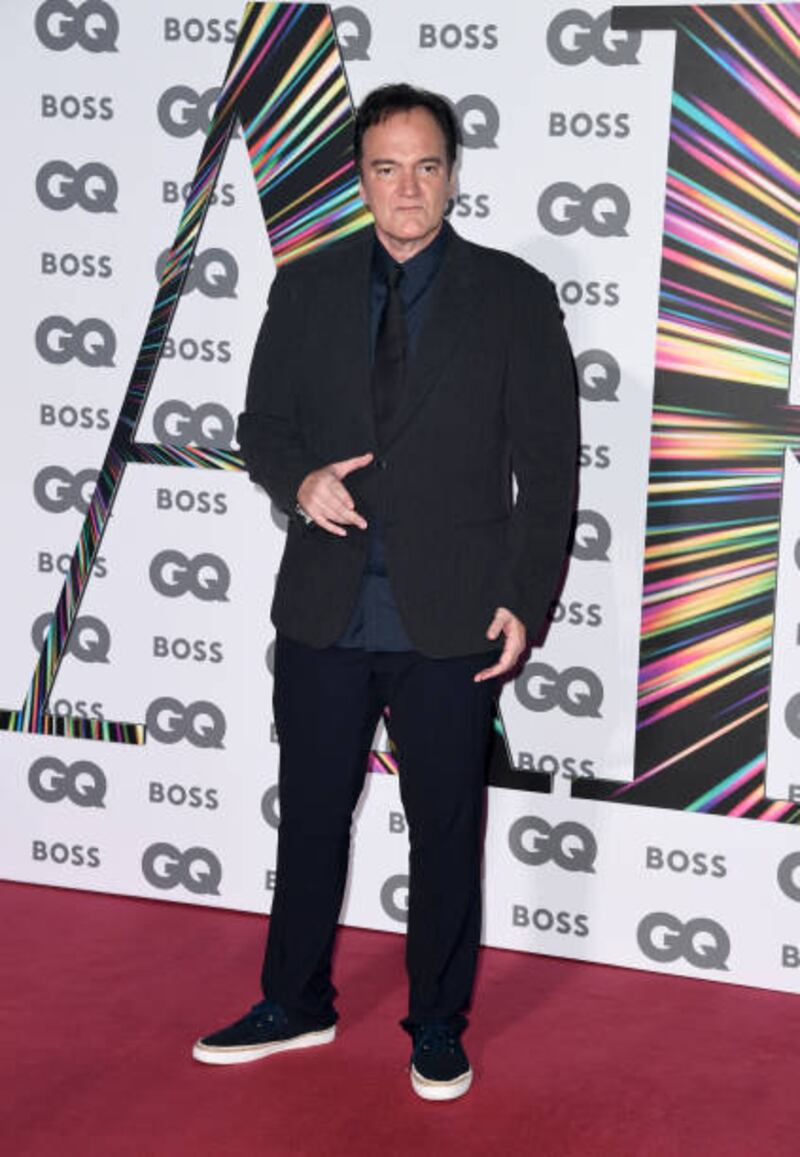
[331, 527]
[508, 658]
[348, 465]
[335, 512]
[496, 626]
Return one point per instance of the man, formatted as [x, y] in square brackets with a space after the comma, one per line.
[397, 382]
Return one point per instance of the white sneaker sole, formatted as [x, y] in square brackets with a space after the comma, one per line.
[245, 1053]
[440, 1090]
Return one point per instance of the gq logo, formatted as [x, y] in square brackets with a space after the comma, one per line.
[213, 272]
[91, 341]
[94, 25]
[197, 869]
[353, 31]
[577, 691]
[182, 111]
[569, 845]
[82, 783]
[701, 942]
[175, 423]
[57, 489]
[592, 539]
[598, 376]
[480, 121]
[394, 898]
[93, 186]
[786, 876]
[270, 809]
[89, 642]
[575, 36]
[602, 210]
[206, 576]
[201, 724]
[791, 715]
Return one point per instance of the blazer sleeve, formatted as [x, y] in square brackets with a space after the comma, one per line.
[542, 420]
[268, 430]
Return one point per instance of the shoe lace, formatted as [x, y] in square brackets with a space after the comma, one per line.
[436, 1038]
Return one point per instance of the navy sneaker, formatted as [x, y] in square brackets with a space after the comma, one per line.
[264, 1030]
[439, 1067]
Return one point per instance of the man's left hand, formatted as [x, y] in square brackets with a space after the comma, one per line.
[504, 623]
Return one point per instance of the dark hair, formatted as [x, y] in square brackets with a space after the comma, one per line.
[391, 98]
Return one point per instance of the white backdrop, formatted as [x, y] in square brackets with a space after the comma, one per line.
[127, 90]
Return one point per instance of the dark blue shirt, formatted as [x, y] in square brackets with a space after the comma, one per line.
[375, 623]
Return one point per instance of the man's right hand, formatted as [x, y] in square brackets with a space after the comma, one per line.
[327, 500]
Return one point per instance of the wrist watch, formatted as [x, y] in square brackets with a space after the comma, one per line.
[302, 513]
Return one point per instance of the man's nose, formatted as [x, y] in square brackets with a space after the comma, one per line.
[409, 182]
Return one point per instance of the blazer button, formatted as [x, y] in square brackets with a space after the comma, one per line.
[381, 463]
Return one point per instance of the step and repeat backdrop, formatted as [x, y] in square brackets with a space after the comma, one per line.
[648, 749]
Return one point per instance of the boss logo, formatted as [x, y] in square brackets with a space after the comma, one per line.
[469, 205]
[172, 192]
[182, 111]
[49, 563]
[545, 920]
[576, 614]
[71, 265]
[90, 641]
[202, 724]
[88, 108]
[394, 898]
[189, 350]
[270, 807]
[93, 25]
[589, 293]
[786, 876]
[176, 423]
[586, 124]
[197, 869]
[569, 845]
[57, 489]
[480, 121]
[206, 576]
[701, 942]
[592, 540]
[76, 855]
[197, 650]
[598, 457]
[575, 36]
[791, 715]
[92, 341]
[602, 210]
[190, 501]
[353, 31]
[93, 186]
[72, 418]
[213, 272]
[599, 376]
[678, 861]
[568, 766]
[194, 30]
[576, 691]
[180, 796]
[458, 36]
[79, 708]
[82, 783]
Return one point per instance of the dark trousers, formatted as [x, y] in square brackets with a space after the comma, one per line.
[327, 704]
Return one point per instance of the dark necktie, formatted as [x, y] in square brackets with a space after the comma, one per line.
[389, 366]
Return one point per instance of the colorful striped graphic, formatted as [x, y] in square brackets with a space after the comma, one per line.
[286, 85]
[721, 418]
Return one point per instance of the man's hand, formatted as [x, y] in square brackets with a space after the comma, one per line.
[323, 496]
[504, 623]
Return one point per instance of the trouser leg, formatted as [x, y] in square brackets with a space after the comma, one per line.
[441, 722]
[325, 713]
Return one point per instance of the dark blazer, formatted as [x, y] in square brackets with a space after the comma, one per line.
[491, 389]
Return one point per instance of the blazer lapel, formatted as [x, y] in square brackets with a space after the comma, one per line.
[349, 304]
[454, 298]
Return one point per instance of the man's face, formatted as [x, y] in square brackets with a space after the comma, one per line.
[405, 180]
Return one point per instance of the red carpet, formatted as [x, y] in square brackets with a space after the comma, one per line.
[102, 998]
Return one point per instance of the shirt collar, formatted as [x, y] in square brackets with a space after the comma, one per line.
[419, 270]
